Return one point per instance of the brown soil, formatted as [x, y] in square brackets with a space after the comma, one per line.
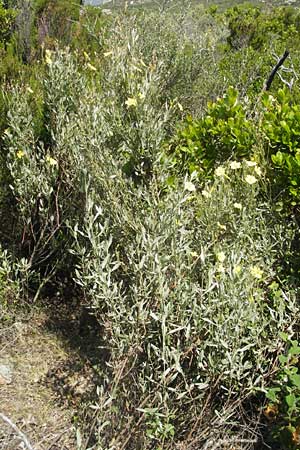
[51, 375]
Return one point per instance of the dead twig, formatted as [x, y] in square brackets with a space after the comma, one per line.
[16, 429]
[275, 70]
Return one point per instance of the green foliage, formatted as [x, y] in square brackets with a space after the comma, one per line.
[282, 132]
[255, 27]
[7, 20]
[55, 20]
[13, 285]
[223, 132]
[284, 398]
[172, 241]
[227, 130]
[180, 291]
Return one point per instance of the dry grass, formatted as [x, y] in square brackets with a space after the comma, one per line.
[33, 351]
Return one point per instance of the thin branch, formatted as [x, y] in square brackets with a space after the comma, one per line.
[275, 70]
[16, 429]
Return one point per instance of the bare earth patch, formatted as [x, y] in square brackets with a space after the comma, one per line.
[42, 379]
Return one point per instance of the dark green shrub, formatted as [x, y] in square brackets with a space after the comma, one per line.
[283, 407]
[255, 27]
[281, 130]
[223, 132]
[7, 21]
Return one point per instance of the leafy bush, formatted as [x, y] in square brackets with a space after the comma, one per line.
[281, 129]
[256, 27]
[183, 302]
[7, 20]
[228, 130]
[282, 411]
[181, 268]
[224, 131]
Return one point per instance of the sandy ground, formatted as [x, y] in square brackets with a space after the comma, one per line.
[42, 380]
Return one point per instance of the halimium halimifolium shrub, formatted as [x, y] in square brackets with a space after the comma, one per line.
[180, 274]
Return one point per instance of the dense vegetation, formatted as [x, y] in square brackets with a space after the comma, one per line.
[146, 171]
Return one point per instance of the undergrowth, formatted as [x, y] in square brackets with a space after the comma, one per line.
[175, 219]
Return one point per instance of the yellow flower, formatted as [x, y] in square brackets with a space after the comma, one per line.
[258, 171]
[222, 227]
[141, 95]
[235, 165]
[106, 54]
[220, 171]
[237, 269]
[194, 255]
[28, 89]
[86, 56]
[250, 179]
[20, 154]
[189, 186]
[51, 161]
[92, 68]
[221, 257]
[131, 102]
[180, 107]
[256, 272]
[237, 206]
[251, 163]
[48, 57]
[220, 268]
[206, 193]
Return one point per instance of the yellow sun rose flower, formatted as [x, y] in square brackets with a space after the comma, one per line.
[237, 206]
[20, 154]
[51, 161]
[131, 102]
[251, 163]
[221, 257]
[250, 179]
[234, 165]
[220, 171]
[256, 272]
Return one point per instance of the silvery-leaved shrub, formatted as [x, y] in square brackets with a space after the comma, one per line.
[179, 277]
[181, 288]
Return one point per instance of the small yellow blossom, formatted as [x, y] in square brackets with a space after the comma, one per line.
[141, 95]
[220, 171]
[194, 255]
[220, 268]
[258, 171]
[28, 89]
[131, 102]
[206, 193]
[86, 56]
[237, 269]
[92, 68]
[221, 257]
[51, 161]
[222, 227]
[48, 58]
[250, 179]
[106, 54]
[235, 165]
[20, 154]
[251, 163]
[256, 272]
[189, 186]
[180, 107]
[237, 205]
